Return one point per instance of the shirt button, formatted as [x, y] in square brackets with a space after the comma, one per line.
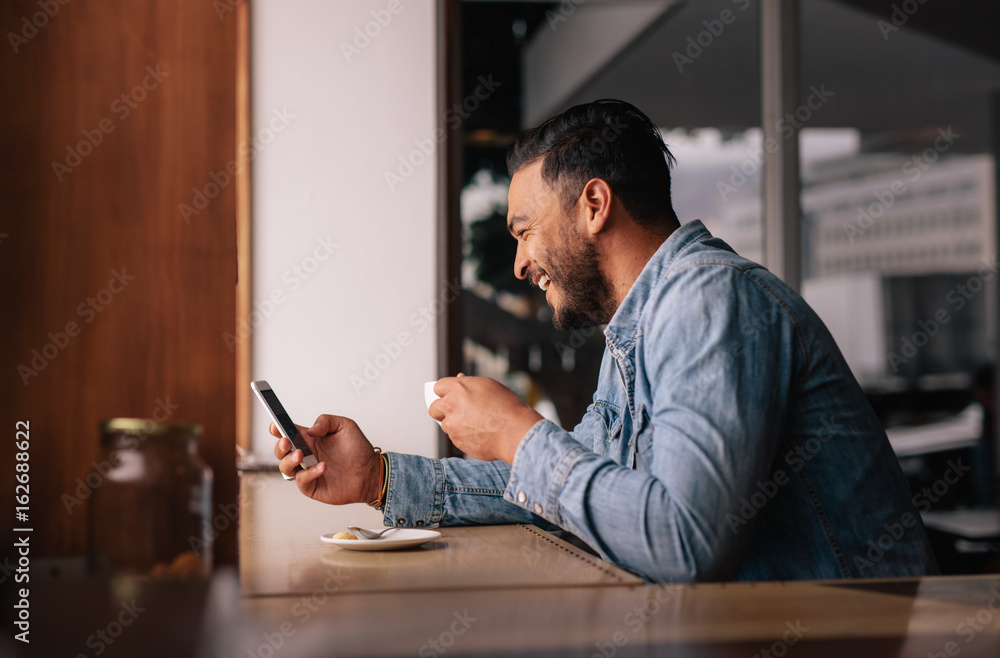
[521, 496]
[538, 509]
[420, 522]
[401, 521]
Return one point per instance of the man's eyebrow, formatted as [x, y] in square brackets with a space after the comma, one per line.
[514, 221]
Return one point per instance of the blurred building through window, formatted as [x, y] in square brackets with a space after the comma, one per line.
[899, 248]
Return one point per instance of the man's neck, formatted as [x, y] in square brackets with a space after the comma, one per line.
[628, 254]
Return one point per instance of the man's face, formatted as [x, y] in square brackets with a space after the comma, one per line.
[555, 253]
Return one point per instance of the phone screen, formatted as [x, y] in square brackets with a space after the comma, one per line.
[281, 417]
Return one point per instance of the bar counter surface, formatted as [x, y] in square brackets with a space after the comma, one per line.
[518, 590]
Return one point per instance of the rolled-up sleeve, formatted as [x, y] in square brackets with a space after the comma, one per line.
[430, 492]
[427, 492]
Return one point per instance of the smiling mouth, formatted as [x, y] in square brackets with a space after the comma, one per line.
[544, 281]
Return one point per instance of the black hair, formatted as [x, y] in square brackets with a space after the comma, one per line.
[607, 139]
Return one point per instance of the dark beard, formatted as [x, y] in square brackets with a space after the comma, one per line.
[584, 291]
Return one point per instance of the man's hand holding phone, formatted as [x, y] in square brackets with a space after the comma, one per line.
[348, 470]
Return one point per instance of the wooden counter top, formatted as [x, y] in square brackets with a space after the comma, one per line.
[517, 590]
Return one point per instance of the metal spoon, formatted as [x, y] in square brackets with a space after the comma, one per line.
[368, 534]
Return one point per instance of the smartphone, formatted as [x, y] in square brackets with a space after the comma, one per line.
[285, 425]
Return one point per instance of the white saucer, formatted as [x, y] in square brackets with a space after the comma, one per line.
[390, 541]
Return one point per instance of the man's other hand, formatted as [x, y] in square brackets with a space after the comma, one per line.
[482, 417]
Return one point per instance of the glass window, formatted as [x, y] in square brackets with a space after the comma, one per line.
[906, 137]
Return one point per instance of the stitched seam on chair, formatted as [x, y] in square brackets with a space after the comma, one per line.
[585, 558]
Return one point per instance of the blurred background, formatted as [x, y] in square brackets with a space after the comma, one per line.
[314, 193]
[896, 122]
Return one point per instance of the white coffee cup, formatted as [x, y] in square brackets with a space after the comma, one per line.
[430, 396]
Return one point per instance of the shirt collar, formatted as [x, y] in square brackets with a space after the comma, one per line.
[621, 330]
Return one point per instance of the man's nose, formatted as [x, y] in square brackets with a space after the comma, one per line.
[521, 262]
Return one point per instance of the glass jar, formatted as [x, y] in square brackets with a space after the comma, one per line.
[150, 511]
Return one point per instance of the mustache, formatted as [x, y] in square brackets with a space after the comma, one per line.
[534, 273]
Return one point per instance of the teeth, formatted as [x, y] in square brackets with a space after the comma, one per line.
[544, 281]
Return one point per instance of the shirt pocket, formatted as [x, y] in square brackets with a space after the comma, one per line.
[610, 419]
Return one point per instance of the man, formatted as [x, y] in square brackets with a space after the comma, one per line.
[727, 439]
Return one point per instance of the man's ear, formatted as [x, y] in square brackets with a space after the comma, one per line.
[596, 197]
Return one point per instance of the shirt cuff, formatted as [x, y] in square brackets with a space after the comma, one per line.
[543, 460]
[415, 495]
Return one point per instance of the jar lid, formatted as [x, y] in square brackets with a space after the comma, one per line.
[146, 426]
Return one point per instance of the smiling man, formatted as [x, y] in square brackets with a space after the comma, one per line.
[727, 438]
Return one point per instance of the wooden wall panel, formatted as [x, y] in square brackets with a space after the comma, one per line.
[111, 215]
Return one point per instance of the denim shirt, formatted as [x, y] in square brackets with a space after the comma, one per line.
[727, 440]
